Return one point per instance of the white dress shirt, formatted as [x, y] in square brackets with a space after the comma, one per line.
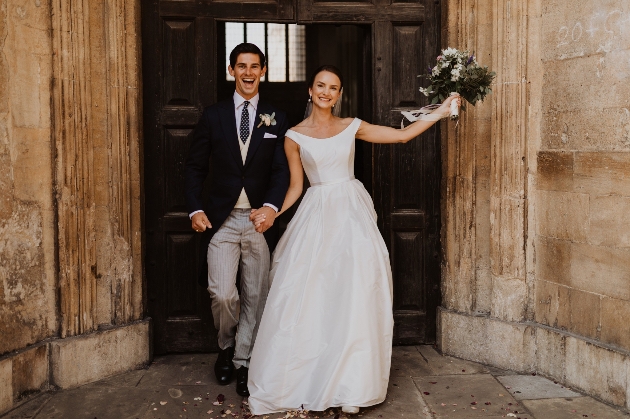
[243, 201]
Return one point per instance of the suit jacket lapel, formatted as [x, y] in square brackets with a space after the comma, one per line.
[228, 123]
[257, 133]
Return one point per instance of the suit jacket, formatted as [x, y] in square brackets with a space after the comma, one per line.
[215, 150]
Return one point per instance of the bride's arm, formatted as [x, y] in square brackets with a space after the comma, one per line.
[380, 134]
[292, 151]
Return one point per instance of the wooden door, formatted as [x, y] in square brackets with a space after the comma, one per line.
[406, 178]
[179, 66]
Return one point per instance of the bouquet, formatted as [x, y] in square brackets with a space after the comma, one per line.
[455, 72]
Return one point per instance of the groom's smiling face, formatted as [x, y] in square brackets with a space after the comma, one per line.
[247, 71]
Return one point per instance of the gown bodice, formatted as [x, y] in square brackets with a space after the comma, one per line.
[328, 160]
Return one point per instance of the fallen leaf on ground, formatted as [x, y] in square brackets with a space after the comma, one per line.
[163, 403]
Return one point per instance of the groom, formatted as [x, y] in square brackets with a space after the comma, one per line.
[242, 145]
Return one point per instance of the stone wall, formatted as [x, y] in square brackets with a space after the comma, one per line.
[536, 196]
[71, 283]
[27, 207]
[583, 182]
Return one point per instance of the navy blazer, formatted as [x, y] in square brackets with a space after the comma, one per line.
[215, 150]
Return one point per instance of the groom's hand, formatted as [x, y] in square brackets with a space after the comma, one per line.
[262, 218]
[200, 222]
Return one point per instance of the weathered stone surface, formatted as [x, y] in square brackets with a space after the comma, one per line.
[6, 388]
[567, 83]
[407, 361]
[117, 350]
[509, 299]
[591, 27]
[550, 353]
[488, 341]
[25, 294]
[602, 173]
[562, 215]
[615, 324]
[448, 365]
[524, 387]
[553, 260]
[555, 171]
[585, 309]
[610, 221]
[571, 408]
[577, 130]
[596, 370]
[552, 305]
[460, 392]
[30, 371]
[602, 270]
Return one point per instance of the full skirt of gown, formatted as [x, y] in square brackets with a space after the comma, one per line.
[326, 332]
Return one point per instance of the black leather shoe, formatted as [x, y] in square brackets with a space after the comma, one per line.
[224, 368]
[241, 381]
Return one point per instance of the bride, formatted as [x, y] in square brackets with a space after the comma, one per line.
[325, 337]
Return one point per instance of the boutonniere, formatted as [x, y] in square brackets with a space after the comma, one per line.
[267, 119]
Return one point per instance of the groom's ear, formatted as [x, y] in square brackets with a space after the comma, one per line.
[231, 70]
[263, 72]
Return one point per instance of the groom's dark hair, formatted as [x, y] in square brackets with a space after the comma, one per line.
[246, 48]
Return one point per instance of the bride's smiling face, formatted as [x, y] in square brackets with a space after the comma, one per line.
[325, 90]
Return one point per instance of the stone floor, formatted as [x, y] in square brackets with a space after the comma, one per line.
[423, 384]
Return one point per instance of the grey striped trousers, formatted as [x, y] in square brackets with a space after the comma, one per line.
[235, 318]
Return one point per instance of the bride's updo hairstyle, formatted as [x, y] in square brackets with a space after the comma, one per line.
[330, 69]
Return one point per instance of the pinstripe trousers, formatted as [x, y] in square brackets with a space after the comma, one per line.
[237, 318]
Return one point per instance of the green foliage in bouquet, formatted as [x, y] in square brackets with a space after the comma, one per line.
[456, 71]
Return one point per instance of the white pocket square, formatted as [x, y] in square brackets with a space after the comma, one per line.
[268, 135]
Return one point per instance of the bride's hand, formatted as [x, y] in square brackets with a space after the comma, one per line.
[445, 107]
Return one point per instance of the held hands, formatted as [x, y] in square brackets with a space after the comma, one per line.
[262, 218]
[200, 222]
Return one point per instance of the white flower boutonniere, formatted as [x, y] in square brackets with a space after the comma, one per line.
[267, 119]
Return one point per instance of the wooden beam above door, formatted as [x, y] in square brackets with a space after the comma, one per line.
[261, 10]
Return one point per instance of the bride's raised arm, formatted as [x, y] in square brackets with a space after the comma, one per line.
[385, 135]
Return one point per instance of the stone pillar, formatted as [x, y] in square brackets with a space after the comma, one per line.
[96, 110]
[467, 285]
[509, 161]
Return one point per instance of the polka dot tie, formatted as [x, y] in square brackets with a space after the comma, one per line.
[245, 122]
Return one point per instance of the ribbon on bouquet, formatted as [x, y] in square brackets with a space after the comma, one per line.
[426, 113]
[423, 114]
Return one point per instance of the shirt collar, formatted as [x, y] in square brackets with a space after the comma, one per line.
[238, 100]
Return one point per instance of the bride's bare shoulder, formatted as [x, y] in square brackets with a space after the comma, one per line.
[301, 127]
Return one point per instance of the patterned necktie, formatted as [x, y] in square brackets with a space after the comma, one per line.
[245, 122]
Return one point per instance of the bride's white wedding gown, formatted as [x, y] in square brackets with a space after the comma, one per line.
[326, 333]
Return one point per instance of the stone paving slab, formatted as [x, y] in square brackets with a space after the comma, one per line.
[31, 408]
[407, 361]
[528, 387]
[447, 365]
[468, 396]
[572, 408]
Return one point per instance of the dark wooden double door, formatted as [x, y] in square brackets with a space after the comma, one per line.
[181, 52]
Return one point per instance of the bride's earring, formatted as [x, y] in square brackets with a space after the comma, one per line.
[309, 107]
